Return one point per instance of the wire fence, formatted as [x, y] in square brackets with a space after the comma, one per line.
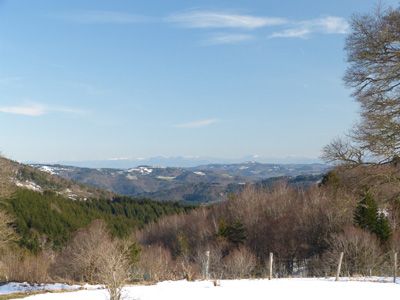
[384, 266]
[341, 265]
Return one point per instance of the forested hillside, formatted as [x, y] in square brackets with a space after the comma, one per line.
[47, 220]
[45, 210]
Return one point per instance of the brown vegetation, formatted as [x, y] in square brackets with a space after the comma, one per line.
[303, 228]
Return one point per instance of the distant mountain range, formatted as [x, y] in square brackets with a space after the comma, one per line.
[204, 183]
[179, 161]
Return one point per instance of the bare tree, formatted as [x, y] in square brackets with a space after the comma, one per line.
[373, 53]
[340, 150]
[93, 256]
[114, 268]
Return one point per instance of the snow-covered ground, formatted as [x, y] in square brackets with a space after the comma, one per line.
[17, 287]
[299, 289]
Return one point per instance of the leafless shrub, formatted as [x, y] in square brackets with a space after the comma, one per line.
[155, 264]
[240, 263]
[186, 269]
[114, 268]
[92, 256]
[362, 252]
[80, 260]
[22, 266]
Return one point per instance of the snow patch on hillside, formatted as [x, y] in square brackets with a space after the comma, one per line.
[47, 169]
[69, 194]
[168, 178]
[141, 170]
[30, 185]
[200, 173]
[53, 170]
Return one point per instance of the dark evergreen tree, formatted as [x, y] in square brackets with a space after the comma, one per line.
[366, 213]
[382, 228]
[234, 232]
[369, 218]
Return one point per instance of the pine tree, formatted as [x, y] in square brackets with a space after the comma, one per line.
[382, 228]
[366, 213]
[367, 217]
[234, 232]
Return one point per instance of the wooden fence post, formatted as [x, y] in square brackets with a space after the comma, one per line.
[339, 266]
[207, 265]
[395, 267]
[271, 260]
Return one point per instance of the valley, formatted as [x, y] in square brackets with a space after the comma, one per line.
[202, 184]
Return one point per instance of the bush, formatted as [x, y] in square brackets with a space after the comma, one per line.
[94, 257]
[362, 253]
[22, 266]
[239, 263]
[155, 264]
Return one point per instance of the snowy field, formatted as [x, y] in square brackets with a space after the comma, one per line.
[15, 287]
[307, 289]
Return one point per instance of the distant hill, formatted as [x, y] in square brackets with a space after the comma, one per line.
[205, 183]
[14, 175]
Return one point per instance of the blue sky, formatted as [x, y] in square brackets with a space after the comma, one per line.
[96, 79]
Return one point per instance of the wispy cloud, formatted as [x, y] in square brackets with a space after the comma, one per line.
[227, 38]
[103, 17]
[332, 25]
[33, 110]
[304, 29]
[214, 19]
[197, 123]
[36, 110]
[292, 33]
[211, 19]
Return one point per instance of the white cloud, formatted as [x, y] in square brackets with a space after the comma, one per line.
[219, 39]
[332, 25]
[292, 33]
[25, 110]
[197, 124]
[36, 110]
[324, 25]
[103, 17]
[213, 19]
